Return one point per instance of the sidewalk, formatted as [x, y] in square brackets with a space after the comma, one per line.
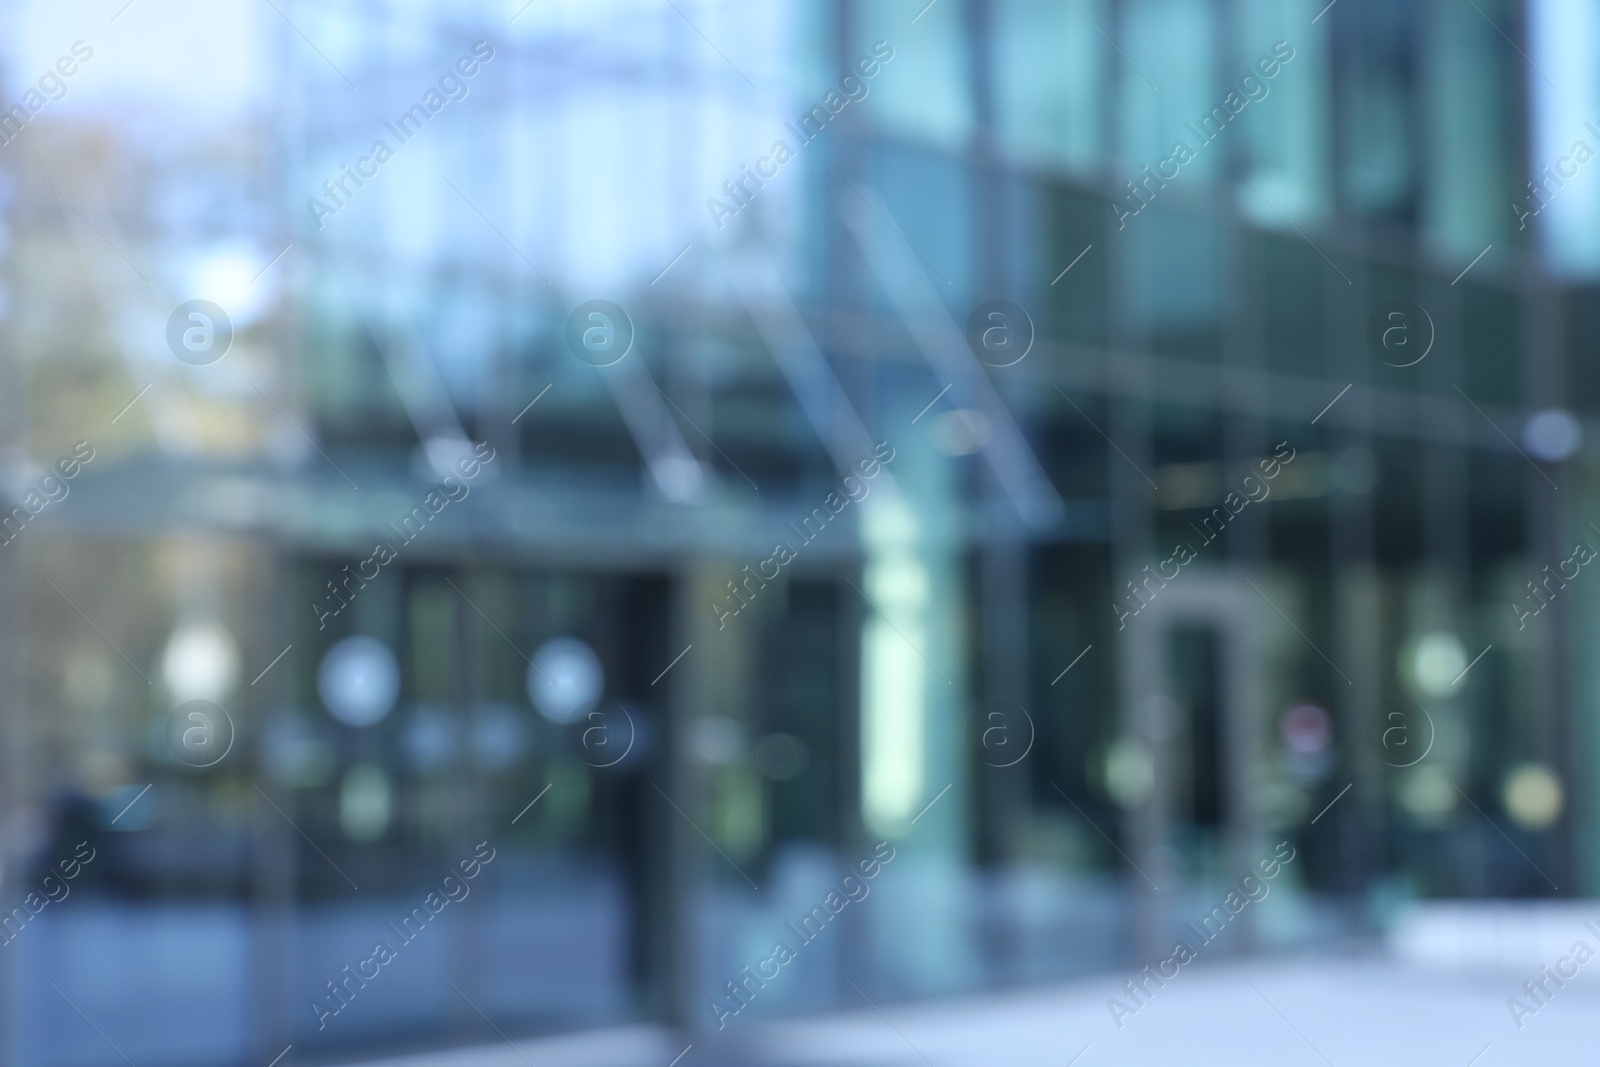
[1310, 1011]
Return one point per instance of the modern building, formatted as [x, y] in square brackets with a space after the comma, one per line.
[950, 489]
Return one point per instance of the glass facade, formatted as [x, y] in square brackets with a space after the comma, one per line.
[575, 495]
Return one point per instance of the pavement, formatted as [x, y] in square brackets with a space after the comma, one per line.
[1409, 1008]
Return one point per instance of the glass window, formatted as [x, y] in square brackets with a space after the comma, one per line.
[1049, 69]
